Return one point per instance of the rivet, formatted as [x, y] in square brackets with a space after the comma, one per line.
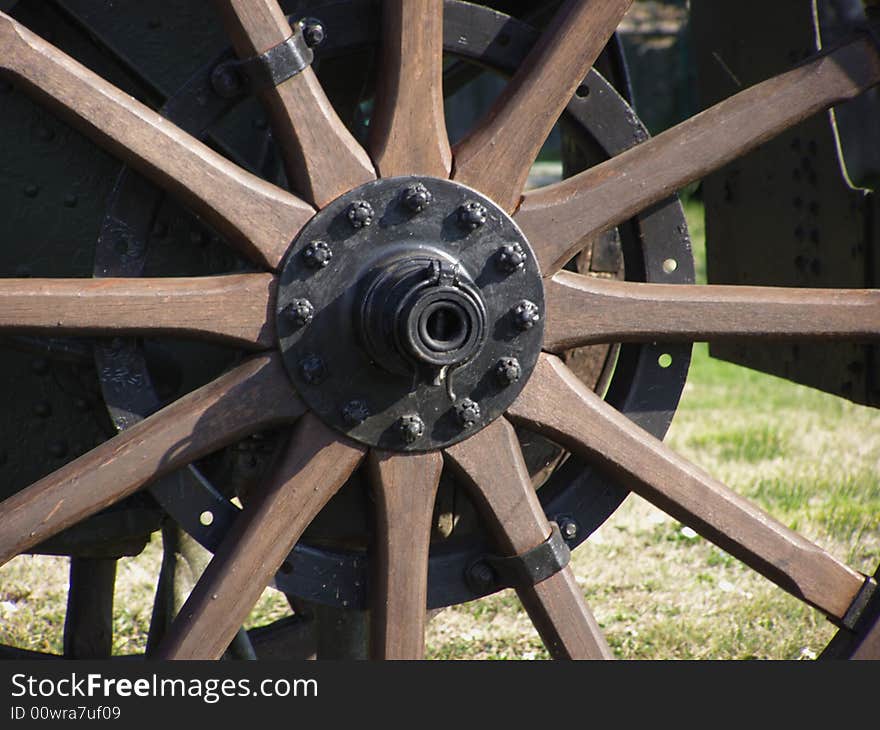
[568, 528]
[226, 82]
[508, 371]
[312, 369]
[317, 254]
[355, 412]
[511, 257]
[411, 428]
[526, 315]
[417, 197]
[313, 32]
[472, 215]
[299, 312]
[468, 413]
[481, 576]
[360, 214]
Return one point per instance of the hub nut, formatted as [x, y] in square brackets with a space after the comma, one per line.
[360, 214]
[511, 257]
[299, 312]
[355, 412]
[313, 369]
[472, 215]
[468, 413]
[313, 32]
[317, 254]
[411, 428]
[526, 315]
[417, 197]
[508, 371]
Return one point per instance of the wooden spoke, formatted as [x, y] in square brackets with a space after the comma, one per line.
[313, 468]
[88, 622]
[583, 310]
[498, 153]
[323, 160]
[491, 462]
[408, 128]
[405, 487]
[558, 218]
[254, 215]
[235, 309]
[255, 395]
[556, 404]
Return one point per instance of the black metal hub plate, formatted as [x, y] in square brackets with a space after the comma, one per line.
[328, 358]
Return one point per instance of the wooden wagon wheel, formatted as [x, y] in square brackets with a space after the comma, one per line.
[440, 323]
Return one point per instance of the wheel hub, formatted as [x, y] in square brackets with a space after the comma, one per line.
[410, 313]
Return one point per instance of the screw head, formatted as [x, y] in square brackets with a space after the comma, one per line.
[511, 257]
[508, 371]
[299, 312]
[360, 214]
[313, 32]
[411, 428]
[355, 412]
[467, 412]
[568, 528]
[472, 215]
[526, 315]
[312, 369]
[417, 197]
[317, 254]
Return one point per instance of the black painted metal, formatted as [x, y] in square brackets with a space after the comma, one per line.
[378, 297]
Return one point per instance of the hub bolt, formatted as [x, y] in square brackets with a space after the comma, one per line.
[511, 257]
[468, 413]
[313, 32]
[317, 254]
[508, 371]
[411, 428]
[472, 215]
[312, 369]
[417, 197]
[299, 312]
[360, 214]
[355, 412]
[526, 315]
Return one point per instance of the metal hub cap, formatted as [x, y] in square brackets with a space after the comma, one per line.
[410, 314]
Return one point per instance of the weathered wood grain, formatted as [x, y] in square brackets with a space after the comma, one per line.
[322, 159]
[255, 395]
[496, 156]
[556, 404]
[583, 310]
[404, 489]
[408, 128]
[491, 463]
[237, 309]
[314, 467]
[558, 218]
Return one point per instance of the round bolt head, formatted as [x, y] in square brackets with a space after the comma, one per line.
[360, 214]
[568, 528]
[226, 81]
[508, 371]
[317, 254]
[411, 428]
[526, 315]
[511, 258]
[312, 369]
[299, 312]
[417, 197]
[355, 412]
[467, 412]
[472, 215]
[481, 576]
[313, 32]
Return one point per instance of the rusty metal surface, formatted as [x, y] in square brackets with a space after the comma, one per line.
[784, 215]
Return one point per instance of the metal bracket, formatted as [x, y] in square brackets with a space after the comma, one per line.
[863, 600]
[529, 568]
[269, 69]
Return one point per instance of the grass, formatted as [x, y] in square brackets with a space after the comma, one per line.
[658, 590]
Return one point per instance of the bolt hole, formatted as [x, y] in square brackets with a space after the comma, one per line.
[665, 360]
[206, 518]
[670, 265]
[583, 91]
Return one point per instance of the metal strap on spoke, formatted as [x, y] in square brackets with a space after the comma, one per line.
[866, 602]
[271, 68]
[529, 568]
